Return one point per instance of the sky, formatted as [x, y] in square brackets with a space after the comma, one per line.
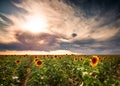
[59, 26]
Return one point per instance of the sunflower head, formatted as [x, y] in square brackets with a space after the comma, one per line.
[35, 57]
[55, 56]
[46, 56]
[75, 58]
[94, 61]
[39, 63]
[81, 59]
[17, 61]
[35, 60]
[60, 57]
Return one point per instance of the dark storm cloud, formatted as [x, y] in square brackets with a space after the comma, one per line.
[104, 13]
[109, 10]
[43, 41]
[95, 7]
[27, 41]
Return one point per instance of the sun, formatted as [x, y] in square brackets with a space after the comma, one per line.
[35, 24]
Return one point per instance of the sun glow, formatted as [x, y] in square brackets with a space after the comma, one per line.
[35, 24]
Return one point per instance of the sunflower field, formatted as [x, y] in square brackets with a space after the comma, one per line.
[60, 70]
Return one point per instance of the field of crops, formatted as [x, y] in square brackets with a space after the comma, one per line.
[59, 70]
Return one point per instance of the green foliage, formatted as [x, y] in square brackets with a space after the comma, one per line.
[58, 70]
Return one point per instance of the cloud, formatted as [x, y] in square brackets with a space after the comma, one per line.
[92, 46]
[104, 33]
[49, 25]
[28, 41]
[43, 41]
[1, 20]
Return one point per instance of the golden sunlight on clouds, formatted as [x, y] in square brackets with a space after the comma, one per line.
[41, 42]
[35, 24]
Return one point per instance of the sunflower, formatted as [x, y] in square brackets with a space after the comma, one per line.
[47, 56]
[35, 60]
[75, 59]
[24, 55]
[100, 59]
[17, 61]
[55, 56]
[94, 61]
[60, 57]
[39, 63]
[81, 59]
[35, 57]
